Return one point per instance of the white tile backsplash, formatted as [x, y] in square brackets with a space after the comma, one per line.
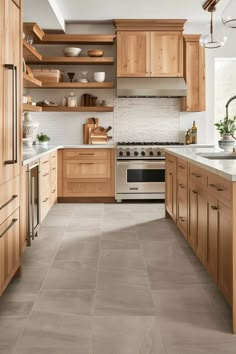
[134, 119]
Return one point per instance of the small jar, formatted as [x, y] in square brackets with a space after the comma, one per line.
[72, 100]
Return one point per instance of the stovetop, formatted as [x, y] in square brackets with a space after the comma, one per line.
[143, 150]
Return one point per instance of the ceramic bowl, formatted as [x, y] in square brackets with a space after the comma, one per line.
[95, 53]
[72, 51]
[99, 76]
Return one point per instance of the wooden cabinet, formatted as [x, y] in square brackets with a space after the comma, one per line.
[166, 54]
[194, 74]
[182, 197]
[9, 249]
[133, 54]
[88, 173]
[193, 216]
[149, 48]
[170, 192]
[53, 178]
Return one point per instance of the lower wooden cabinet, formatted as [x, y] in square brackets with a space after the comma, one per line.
[204, 216]
[88, 173]
[9, 249]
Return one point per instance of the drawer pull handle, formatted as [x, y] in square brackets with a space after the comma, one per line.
[86, 154]
[45, 200]
[170, 174]
[86, 163]
[9, 201]
[182, 167]
[53, 169]
[181, 219]
[194, 192]
[196, 175]
[181, 186]
[54, 191]
[215, 187]
[170, 161]
[45, 161]
[213, 207]
[8, 228]
[53, 157]
[46, 174]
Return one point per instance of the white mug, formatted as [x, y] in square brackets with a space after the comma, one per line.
[99, 76]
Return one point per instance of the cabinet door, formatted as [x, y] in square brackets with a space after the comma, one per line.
[193, 216]
[166, 54]
[170, 193]
[225, 263]
[10, 104]
[87, 169]
[182, 206]
[212, 237]
[133, 54]
[202, 226]
[9, 249]
[194, 74]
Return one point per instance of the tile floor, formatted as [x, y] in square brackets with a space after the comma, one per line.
[113, 279]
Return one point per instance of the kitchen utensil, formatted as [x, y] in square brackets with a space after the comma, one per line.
[72, 51]
[83, 76]
[95, 53]
[99, 76]
[71, 76]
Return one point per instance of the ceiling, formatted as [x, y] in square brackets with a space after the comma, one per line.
[91, 10]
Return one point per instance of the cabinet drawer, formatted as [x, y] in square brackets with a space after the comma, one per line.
[9, 198]
[170, 160]
[182, 168]
[219, 187]
[53, 159]
[197, 175]
[87, 188]
[45, 163]
[9, 249]
[85, 154]
[45, 182]
[45, 205]
[86, 169]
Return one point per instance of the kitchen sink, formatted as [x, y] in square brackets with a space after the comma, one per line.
[219, 155]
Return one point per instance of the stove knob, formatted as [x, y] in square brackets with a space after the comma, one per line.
[158, 153]
[143, 153]
[127, 153]
[121, 153]
[151, 153]
[136, 153]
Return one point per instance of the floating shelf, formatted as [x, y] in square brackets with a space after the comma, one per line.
[30, 108]
[73, 61]
[78, 109]
[60, 38]
[30, 81]
[76, 85]
[30, 53]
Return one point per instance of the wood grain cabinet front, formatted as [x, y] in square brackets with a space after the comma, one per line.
[170, 192]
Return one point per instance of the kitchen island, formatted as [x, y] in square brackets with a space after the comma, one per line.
[201, 199]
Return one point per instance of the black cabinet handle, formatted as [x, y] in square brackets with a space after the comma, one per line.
[8, 228]
[13, 68]
[8, 202]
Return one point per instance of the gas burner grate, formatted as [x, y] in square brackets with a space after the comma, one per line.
[159, 143]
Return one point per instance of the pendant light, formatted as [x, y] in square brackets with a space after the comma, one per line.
[229, 15]
[214, 36]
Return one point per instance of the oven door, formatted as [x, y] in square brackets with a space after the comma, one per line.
[140, 177]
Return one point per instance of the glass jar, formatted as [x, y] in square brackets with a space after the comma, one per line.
[72, 100]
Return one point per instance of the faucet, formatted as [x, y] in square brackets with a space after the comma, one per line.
[227, 106]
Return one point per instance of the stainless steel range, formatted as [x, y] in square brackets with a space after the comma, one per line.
[140, 170]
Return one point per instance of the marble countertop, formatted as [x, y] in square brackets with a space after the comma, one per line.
[35, 152]
[224, 168]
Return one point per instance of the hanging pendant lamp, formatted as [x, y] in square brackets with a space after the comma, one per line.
[229, 15]
[214, 37]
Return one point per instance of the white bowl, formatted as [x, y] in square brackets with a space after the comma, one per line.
[99, 76]
[72, 51]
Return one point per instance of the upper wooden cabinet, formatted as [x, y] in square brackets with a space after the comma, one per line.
[149, 48]
[194, 74]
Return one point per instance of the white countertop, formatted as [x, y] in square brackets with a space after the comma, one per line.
[224, 168]
[35, 152]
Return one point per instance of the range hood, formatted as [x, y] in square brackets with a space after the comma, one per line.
[151, 87]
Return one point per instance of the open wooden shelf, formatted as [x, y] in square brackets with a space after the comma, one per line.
[76, 85]
[30, 108]
[73, 61]
[30, 81]
[78, 109]
[30, 53]
[60, 38]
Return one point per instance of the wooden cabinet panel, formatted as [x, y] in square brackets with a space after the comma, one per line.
[193, 216]
[10, 118]
[85, 154]
[9, 198]
[219, 188]
[53, 178]
[202, 226]
[194, 74]
[182, 205]
[225, 257]
[133, 55]
[212, 237]
[87, 188]
[87, 169]
[170, 192]
[197, 175]
[9, 249]
[166, 54]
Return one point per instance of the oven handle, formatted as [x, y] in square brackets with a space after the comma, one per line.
[133, 163]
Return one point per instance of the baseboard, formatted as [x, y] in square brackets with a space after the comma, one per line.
[86, 199]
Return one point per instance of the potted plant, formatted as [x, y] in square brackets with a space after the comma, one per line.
[226, 128]
[43, 139]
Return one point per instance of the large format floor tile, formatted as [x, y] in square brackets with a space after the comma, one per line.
[113, 279]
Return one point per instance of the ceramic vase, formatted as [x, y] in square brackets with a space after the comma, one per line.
[227, 143]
